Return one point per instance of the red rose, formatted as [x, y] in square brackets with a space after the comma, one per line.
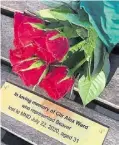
[24, 34]
[23, 31]
[30, 71]
[56, 83]
[51, 50]
[33, 45]
[41, 42]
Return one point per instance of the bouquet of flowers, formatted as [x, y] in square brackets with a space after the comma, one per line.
[58, 50]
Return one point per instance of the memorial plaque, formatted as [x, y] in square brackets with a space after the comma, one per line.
[49, 118]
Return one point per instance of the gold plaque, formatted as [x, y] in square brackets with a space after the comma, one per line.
[49, 118]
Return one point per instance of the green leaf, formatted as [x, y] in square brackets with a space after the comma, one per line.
[67, 30]
[56, 36]
[101, 59]
[87, 45]
[74, 56]
[36, 64]
[90, 42]
[63, 15]
[74, 49]
[54, 13]
[46, 13]
[70, 31]
[90, 89]
[73, 31]
[38, 25]
[83, 16]
[55, 25]
[99, 54]
[74, 19]
[83, 33]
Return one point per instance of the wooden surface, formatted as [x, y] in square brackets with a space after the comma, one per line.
[110, 94]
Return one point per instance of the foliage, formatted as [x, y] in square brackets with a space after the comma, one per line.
[75, 24]
[90, 88]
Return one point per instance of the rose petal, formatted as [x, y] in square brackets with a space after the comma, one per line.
[17, 55]
[42, 51]
[58, 47]
[56, 83]
[58, 73]
[23, 65]
[31, 77]
[23, 31]
[51, 50]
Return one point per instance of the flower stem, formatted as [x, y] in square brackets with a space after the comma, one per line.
[89, 68]
[72, 71]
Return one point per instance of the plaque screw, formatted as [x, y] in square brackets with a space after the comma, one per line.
[6, 87]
